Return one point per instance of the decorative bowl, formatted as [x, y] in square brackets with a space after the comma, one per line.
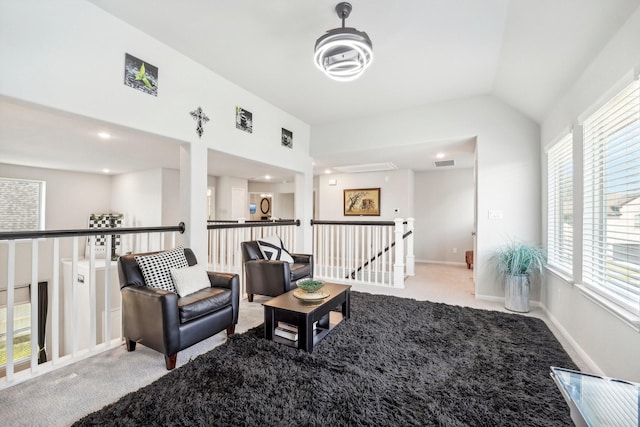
[310, 285]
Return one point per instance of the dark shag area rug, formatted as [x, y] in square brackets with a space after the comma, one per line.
[396, 362]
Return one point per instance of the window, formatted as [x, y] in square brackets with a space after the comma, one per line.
[21, 204]
[611, 242]
[21, 333]
[560, 205]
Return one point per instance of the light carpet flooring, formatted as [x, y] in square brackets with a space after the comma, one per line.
[61, 397]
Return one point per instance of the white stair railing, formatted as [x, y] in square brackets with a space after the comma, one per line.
[365, 252]
[83, 313]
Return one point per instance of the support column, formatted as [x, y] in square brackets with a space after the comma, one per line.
[304, 210]
[193, 197]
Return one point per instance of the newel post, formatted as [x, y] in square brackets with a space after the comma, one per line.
[398, 265]
[410, 256]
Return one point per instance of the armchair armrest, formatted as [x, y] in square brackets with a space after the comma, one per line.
[228, 281]
[151, 317]
[303, 258]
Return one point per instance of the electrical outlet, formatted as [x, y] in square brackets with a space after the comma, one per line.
[454, 250]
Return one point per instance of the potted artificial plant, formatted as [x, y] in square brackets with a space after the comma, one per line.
[516, 262]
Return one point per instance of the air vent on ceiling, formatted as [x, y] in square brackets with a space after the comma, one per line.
[370, 167]
[441, 163]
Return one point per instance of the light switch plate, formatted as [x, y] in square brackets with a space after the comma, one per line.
[496, 214]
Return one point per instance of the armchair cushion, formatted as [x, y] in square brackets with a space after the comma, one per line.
[190, 279]
[273, 249]
[203, 302]
[156, 268]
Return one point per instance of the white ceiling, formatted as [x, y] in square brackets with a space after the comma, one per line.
[525, 52]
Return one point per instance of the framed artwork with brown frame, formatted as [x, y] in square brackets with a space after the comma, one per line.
[362, 202]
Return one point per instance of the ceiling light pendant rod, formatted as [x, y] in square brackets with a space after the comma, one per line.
[344, 10]
[343, 53]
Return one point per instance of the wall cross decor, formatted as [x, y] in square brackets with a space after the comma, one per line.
[201, 118]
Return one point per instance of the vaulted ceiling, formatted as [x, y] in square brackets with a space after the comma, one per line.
[524, 52]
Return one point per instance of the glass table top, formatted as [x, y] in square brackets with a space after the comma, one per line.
[599, 401]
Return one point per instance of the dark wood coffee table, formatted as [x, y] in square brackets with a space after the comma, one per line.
[303, 314]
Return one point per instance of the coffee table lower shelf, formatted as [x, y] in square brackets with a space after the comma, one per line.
[318, 333]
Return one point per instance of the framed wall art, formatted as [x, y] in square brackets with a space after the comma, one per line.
[244, 120]
[362, 202]
[287, 138]
[140, 75]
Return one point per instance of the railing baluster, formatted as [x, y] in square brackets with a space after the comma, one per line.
[55, 299]
[34, 305]
[92, 293]
[106, 318]
[369, 247]
[74, 296]
[11, 276]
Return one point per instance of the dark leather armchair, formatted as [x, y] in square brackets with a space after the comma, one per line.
[167, 323]
[272, 278]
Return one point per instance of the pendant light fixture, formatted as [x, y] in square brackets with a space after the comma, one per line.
[343, 53]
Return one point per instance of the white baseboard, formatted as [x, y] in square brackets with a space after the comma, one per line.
[501, 299]
[490, 298]
[429, 261]
[583, 355]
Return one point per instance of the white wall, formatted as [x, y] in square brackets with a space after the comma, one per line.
[395, 194]
[444, 215]
[611, 346]
[61, 37]
[508, 164]
[224, 187]
[171, 197]
[138, 195]
[284, 206]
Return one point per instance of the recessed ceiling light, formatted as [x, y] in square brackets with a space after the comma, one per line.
[105, 170]
[440, 155]
[267, 177]
[327, 171]
[104, 135]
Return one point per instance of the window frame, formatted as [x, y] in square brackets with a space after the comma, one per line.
[560, 240]
[611, 136]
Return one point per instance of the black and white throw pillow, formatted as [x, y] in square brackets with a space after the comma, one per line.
[273, 249]
[156, 268]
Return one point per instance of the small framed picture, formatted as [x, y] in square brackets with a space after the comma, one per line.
[140, 75]
[287, 138]
[244, 120]
[362, 201]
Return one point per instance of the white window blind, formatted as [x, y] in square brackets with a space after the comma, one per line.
[21, 204]
[611, 242]
[560, 205]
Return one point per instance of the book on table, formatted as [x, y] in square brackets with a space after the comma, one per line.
[286, 330]
[289, 331]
